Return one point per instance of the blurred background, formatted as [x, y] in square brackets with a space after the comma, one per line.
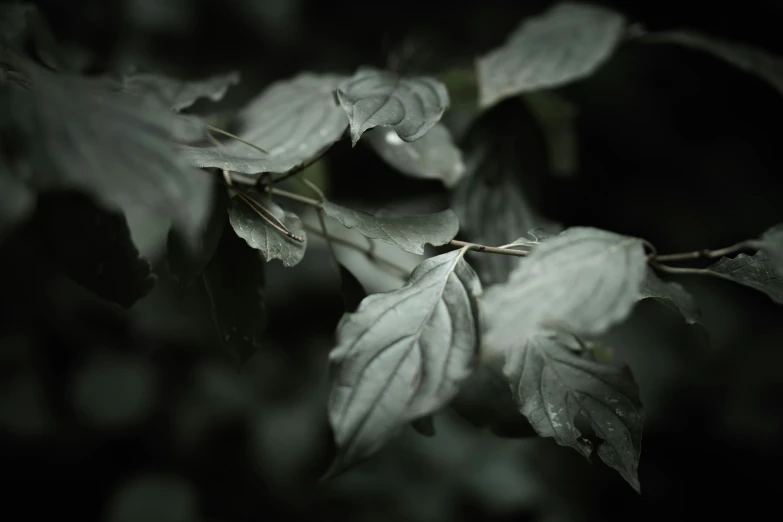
[139, 415]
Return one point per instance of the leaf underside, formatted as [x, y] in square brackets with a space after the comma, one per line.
[671, 295]
[755, 271]
[771, 244]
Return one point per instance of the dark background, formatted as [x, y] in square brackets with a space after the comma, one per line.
[139, 415]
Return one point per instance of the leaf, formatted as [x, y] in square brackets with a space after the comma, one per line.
[402, 355]
[566, 43]
[671, 295]
[259, 234]
[556, 117]
[771, 244]
[17, 201]
[352, 290]
[80, 135]
[180, 94]
[93, 247]
[554, 385]
[185, 262]
[755, 271]
[494, 201]
[433, 156]
[584, 280]
[748, 58]
[410, 233]
[234, 280]
[375, 98]
[293, 121]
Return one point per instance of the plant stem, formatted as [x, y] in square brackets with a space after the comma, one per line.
[296, 197]
[491, 250]
[676, 270]
[702, 254]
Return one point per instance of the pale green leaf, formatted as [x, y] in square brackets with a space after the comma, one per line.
[410, 233]
[584, 280]
[756, 271]
[771, 243]
[671, 295]
[402, 355]
[433, 156]
[376, 98]
[564, 44]
[257, 231]
[180, 94]
[554, 385]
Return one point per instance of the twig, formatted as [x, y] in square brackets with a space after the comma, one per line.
[299, 168]
[702, 254]
[676, 270]
[296, 197]
[490, 250]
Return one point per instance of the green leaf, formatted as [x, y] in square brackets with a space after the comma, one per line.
[180, 94]
[78, 134]
[292, 120]
[410, 233]
[495, 199]
[556, 117]
[583, 280]
[234, 279]
[756, 271]
[433, 156]
[352, 290]
[750, 59]
[187, 262]
[375, 98]
[402, 355]
[260, 234]
[671, 295]
[771, 244]
[93, 247]
[554, 385]
[566, 43]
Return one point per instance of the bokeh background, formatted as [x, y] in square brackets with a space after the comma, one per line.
[139, 415]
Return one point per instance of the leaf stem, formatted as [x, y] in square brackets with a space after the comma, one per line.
[702, 254]
[676, 270]
[488, 249]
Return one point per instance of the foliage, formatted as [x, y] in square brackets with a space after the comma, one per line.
[88, 150]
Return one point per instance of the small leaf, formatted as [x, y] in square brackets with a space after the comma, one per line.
[495, 201]
[584, 280]
[410, 233]
[402, 355]
[564, 44]
[187, 263]
[671, 295]
[292, 120]
[180, 94]
[424, 425]
[375, 98]
[234, 279]
[771, 244]
[433, 156]
[750, 59]
[93, 246]
[80, 135]
[755, 271]
[249, 224]
[553, 385]
[556, 117]
[352, 290]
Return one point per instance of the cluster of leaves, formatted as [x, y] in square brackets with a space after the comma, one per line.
[401, 356]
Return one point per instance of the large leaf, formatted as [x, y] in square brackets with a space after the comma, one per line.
[375, 98]
[234, 279]
[93, 247]
[554, 385]
[495, 201]
[402, 355]
[78, 134]
[410, 233]
[566, 43]
[249, 224]
[292, 120]
[187, 262]
[672, 295]
[771, 243]
[750, 59]
[180, 94]
[556, 117]
[756, 271]
[433, 156]
[584, 280]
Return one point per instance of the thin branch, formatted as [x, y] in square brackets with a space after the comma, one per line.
[296, 197]
[676, 270]
[312, 186]
[703, 254]
[488, 249]
[299, 168]
[225, 133]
